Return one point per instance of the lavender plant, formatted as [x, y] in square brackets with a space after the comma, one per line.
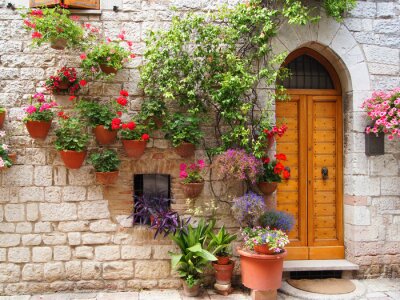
[276, 219]
[248, 209]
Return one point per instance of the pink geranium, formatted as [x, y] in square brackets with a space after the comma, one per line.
[193, 173]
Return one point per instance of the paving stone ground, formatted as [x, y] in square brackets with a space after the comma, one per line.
[375, 289]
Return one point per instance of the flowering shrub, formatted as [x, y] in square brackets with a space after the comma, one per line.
[275, 239]
[275, 171]
[109, 53]
[384, 110]
[248, 208]
[5, 160]
[193, 172]
[41, 110]
[65, 80]
[71, 134]
[238, 164]
[106, 114]
[50, 24]
[131, 131]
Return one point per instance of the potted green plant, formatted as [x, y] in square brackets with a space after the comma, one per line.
[7, 158]
[152, 112]
[71, 141]
[103, 58]
[273, 172]
[106, 165]
[104, 117]
[184, 133]
[193, 256]
[192, 178]
[220, 244]
[260, 270]
[2, 116]
[53, 25]
[65, 80]
[39, 116]
[134, 139]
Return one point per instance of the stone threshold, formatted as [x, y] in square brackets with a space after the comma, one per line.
[319, 265]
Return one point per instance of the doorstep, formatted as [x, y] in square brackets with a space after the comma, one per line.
[319, 265]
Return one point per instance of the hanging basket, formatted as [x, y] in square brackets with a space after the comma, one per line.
[267, 188]
[134, 148]
[73, 159]
[38, 129]
[108, 70]
[104, 136]
[58, 44]
[185, 150]
[192, 190]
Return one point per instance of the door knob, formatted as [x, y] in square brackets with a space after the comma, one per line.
[324, 172]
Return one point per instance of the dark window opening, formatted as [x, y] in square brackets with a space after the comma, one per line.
[307, 73]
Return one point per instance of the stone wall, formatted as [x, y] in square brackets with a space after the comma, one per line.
[61, 231]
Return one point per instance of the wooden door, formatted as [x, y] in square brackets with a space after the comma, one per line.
[313, 142]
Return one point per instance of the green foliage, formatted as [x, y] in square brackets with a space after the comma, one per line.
[105, 161]
[2, 110]
[180, 128]
[336, 8]
[221, 242]
[5, 159]
[51, 24]
[192, 242]
[98, 113]
[71, 135]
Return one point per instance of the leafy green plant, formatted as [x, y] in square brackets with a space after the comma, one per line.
[96, 113]
[50, 24]
[336, 8]
[133, 131]
[221, 242]
[105, 161]
[71, 134]
[2, 110]
[183, 129]
[192, 242]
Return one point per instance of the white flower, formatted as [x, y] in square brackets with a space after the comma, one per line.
[5, 147]
[2, 133]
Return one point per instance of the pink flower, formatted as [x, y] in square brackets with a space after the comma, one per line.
[83, 56]
[121, 36]
[39, 97]
[182, 167]
[74, 18]
[30, 109]
[201, 163]
[108, 58]
[36, 35]
[1, 161]
[183, 174]
[132, 55]
[108, 40]
[29, 24]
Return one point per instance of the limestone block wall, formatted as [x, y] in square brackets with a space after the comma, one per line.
[61, 231]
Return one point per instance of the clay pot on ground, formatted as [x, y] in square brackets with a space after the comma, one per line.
[193, 291]
[223, 272]
[223, 260]
[261, 272]
[58, 44]
[38, 129]
[73, 159]
[185, 150]
[108, 70]
[192, 190]
[104, 136]
[2, 118]
[267, 188]
[107, 178]
[134, 148]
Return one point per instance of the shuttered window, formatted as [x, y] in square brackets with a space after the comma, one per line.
[85, 4]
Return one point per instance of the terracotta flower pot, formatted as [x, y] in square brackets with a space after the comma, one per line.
[107, 178]
[260, 271]
[38, 129]
[104, 136]
[108, 70]
[223, 260]
[263, 249]
[73, 159]
[267, 188]
[134, 148]
[223, 273]
[13, 157]
[64, 85]
[192, 190]
[2, 118]
[185, 149]
[191, 291]
[58, 44]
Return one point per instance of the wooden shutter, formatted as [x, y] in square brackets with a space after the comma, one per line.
[39, 3]
[89, 4]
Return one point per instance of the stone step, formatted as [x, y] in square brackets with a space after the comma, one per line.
[319, 265]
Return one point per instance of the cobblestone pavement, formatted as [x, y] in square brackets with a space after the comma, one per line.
[375, 289]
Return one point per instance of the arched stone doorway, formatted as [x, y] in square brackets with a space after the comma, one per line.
[314, 147]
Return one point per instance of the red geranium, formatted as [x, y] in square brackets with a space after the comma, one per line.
[36, 35]
[280, 156]
[145, 137]
[286, 174]
[115, 123]
[122, 101]
[279, 167]
[124, 93]
[83, 82]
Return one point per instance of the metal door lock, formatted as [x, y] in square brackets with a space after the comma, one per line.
[324, 172]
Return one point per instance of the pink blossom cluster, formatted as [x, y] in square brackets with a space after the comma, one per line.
[383, 108]
[193, 172]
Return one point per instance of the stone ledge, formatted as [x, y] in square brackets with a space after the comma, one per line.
[319, 265]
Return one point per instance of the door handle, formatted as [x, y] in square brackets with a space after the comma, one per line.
[324, 172]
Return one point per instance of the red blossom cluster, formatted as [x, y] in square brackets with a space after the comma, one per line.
[276, 130]
[65, 79]
[62, 115]
[279, 168]
[122, 100]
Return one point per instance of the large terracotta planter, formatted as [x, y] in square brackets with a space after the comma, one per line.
[223, 273]
[185, 150]
[104, 136]
[107, 178]
[192, 190]
[134, 148]
[108, 70]
[73, 159]
[58, 44]
[267, 188]
[191, 291]
[261, 272]
[38, 129]
[2, 118]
